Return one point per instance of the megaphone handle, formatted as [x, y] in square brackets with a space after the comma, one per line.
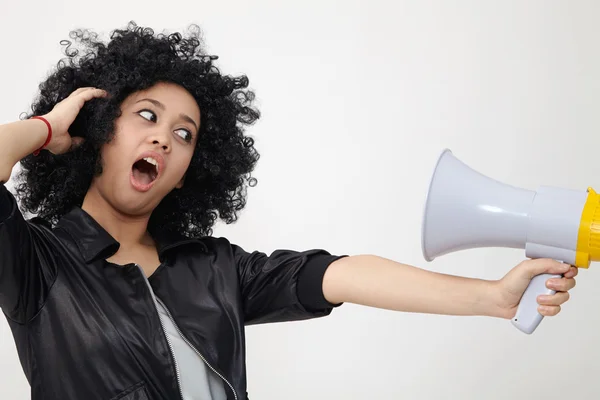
[527, 317]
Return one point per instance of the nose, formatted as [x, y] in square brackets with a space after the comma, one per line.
[162, 140]
[162, 144]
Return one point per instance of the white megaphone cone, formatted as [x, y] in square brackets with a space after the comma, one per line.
[465, 209]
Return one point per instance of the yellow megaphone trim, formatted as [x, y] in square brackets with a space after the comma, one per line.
[588, 239]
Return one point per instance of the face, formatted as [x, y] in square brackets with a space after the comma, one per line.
[154, 141]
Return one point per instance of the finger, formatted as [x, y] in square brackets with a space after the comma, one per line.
[553, 299]
[90, 94]
[80, 90]
[572, 272]
[76, 142]
[561, 284]
[546, 266]
[549, 311]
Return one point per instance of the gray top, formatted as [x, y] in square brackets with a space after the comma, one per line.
[196, 380]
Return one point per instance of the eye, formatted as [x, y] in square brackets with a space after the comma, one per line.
[185, 134]
[151, 116]
[147, 114]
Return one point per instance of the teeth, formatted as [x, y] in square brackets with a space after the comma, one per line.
[152, 161]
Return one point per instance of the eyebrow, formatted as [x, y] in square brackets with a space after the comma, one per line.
[162, 107]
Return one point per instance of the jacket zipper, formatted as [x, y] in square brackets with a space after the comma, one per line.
[164, 332]
[197, 352]
[185, 339]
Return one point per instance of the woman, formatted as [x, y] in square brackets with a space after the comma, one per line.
[117, 290]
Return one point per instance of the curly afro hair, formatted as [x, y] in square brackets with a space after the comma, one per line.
[135, 59]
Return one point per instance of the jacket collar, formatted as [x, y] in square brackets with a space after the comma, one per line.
[94, 242]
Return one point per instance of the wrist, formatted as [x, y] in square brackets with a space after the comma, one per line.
[48, 136]
[491, 299]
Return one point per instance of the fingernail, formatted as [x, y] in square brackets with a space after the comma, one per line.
[543, 309]
[552, 283]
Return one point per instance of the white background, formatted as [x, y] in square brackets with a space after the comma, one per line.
[358, 99]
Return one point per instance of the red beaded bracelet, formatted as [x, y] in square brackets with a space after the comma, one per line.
[35, 153]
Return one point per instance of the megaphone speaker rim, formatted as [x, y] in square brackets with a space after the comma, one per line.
[426, 207]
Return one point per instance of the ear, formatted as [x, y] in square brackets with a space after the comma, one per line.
[180, 183]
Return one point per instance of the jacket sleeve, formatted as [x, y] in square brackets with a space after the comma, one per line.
[286, 285]
[24, 277]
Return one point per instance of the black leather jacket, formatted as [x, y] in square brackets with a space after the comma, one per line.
[88, 329]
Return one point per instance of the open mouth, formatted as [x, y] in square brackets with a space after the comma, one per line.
[146, 171]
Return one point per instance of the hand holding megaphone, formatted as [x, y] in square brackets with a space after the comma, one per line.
[465, 209]
[546, 279]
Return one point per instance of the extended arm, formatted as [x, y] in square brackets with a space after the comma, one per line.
[378, 282]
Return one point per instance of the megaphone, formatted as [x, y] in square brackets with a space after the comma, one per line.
[465, 209]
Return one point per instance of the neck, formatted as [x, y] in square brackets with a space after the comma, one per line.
[128, 230]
